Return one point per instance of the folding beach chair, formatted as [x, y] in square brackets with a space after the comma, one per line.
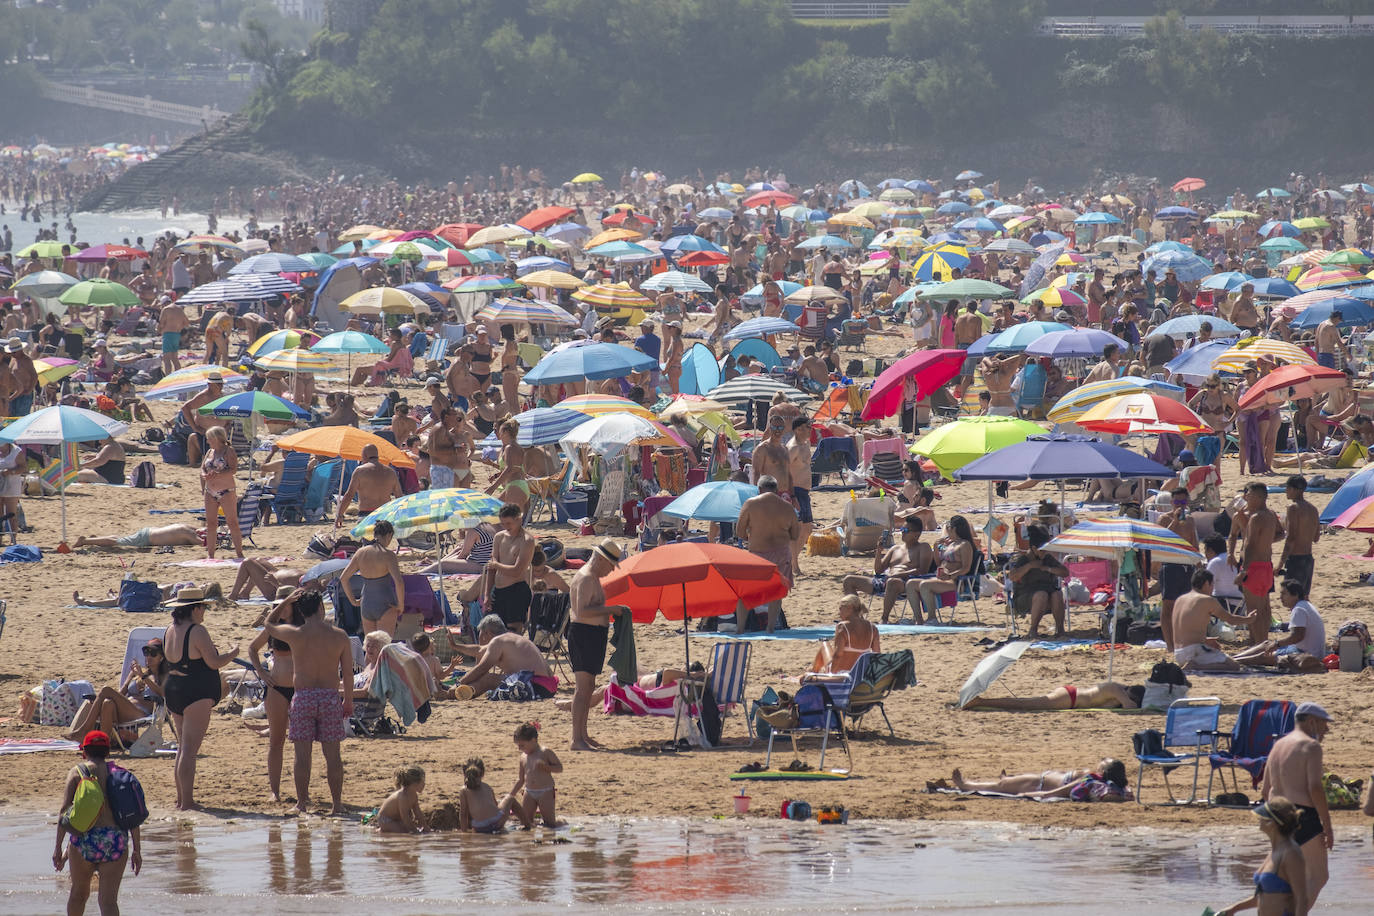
[548, 625]
[728, 674]
[1258, 725]
[288, 502]
[149, 740]
[865, 522]
[545, 492]
[874, 676]
[1191, 725]
[724, 687]
[966, 588]
[249, 512]
[833, 455]
[893, 445]
[817, 715]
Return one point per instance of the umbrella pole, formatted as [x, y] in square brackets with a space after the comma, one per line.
[988, 540]
[62, 489]
[1116, 609]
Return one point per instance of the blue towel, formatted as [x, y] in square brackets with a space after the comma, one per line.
[20, 553]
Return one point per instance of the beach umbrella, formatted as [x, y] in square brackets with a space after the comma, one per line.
[1075, 342]
[1291, 383]
[688, 404]
[941, 260]
[1315, 278]
[350, 342]
[920, 186]
[1311, 223]
[809, 294]
[770, 198]
[552, 279]
[611, 434]
[1357, 487]
[703, 259]
[1282, 245]
[546, 425]
[700, 371]
[45, 284]
[956, 444]
[1365, 293]
[1189, 267]
[1277, 229]
[281, 340]
[978, 224]
[516, 310]
[600, 405]
[190, 380]
[715, 501]
[359, 232]
[99, 254]
[1252, 348]
[689, 242]
[570, 233]
[744, 388]
[243, 288]
[1118, 244]
[1011, 246]
[1111, 538]
[760, 327]
[677, 280]
[209, 243]
[1055, 457]
[442, 510]
[383, 300]
[55, 368]
[1177, 213]
[543, 217]
[496, 235]
[540, 262]
[99, 292]
[825, 241]
[1354, 313]
[1056, 297]
[245, 404]
[1170, 245]
[968, 175]
[851, 219]
[1347, 257]
[1019, 336]
[989, 669]
[1226, 280]
[294, 359]
[930, 369]
[613, 295]
[46, 250]
[1194, 365]
[953, 208]
[60, 425]
[1273, 288]
[715, 213]
[1188, 325]
[865, 209]
[272, 262]
[586, 178]
[319, 260]
[1359, 517]
[618, 248]
[1364, 186]
[1097, 218]
[1142, 412]
[899, 194]
[1074, 404]
[612, 235]
[965, 288]
[590, 361]
[1006, 210]
[1273, 192]
[324, 572]
[343, 442]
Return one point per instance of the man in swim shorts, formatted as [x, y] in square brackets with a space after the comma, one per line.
[512, 549]
[1294, 770]
[171, 322]
[768, 525]
[1261, 529]
[500, 653]
[1193, 611]
[589, 623]
[323, 701]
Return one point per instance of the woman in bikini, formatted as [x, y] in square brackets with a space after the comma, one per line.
[482, 353]
[510, 365]
[217, 470]
[854, 635]
[958, 556]
[133, 700]
[510, 485]
[279, 677]
[1218, 409]
[193, 685]
[1055, 783]
[1281, 882]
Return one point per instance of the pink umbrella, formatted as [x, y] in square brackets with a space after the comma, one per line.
[1359, 517]
[929, 368]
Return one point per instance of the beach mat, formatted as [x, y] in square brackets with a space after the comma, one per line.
[783, 776]
[34, 745]
[995, 795]
[885, 629]
[1062, 645]
[1249, 672]
[206, 563]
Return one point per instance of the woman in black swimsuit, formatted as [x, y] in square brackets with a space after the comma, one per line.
[280, 677]
[193, 684]
[482, 353]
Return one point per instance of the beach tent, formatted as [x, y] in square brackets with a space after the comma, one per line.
[758, 349]
[700, 372]
[337, 283]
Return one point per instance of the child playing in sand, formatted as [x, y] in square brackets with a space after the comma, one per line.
[477, 806]
[400, 813]
[537, 766]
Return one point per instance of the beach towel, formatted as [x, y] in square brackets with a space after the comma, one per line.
[633, 700]
[996, 795]
[624, 660]
[20, 553]
[403, 679]
[1061, 645]
[34, 745]
[886, 629]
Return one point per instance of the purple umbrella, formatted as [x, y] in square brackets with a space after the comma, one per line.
[1080, 342]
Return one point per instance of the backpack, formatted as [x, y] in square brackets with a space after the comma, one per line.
[1169, 673]
[125, 794]
[1150, 743]
[139, 597]
[144, 476]
[81, 815]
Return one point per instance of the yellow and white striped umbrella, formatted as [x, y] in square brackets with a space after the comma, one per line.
[1252, 348]
[613, 295]
[295, 359]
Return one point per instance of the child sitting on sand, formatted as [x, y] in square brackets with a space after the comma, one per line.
[400, 813]
[537, 766]
[477, 806]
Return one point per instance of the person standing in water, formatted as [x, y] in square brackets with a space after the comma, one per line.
[103, 850]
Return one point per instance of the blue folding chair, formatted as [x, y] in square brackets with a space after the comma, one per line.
[288, 503]
[1192, 726]
[1258, 725]
[833, 455]
[816, 715]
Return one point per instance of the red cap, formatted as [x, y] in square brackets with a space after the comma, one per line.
[95, 738]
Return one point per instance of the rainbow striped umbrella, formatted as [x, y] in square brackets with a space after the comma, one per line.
[1328, 277]
[192, 380]
[527, 311]
[1076, 403]
[1055, 297]
[55, 368]
[613, 295]
[597, 405]
[449, 509]
[294, 359]
[1234, 359]
[482, 283]
[281, 340]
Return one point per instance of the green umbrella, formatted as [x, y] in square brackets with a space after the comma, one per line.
[100, 293]
[965, 288]
[954, 445]
[1347, 257]
[1282, 244]
[243, 404]
[319, 259]
[41, 250]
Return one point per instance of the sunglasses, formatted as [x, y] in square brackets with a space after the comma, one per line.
[151, 650]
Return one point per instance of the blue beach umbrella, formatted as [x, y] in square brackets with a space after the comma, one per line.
[1228, 280]
[759, 327]
[953, 206]
[1160, 247]
[1055, 457]
[1189, 267]
[755, 293]
[1177, 213]
[590, 361]
[618, 248]
[1019, 336]
[1354, 313]
[1277, 228]
[978, 224]
[245, 404]
[825, 241]
[1356, 487]
[689, 242]
[1046, 237]
[712, 213]
[920, 186]
[1195, 363]
[716, 501]
[1075, 342]
[1277, 288]
[1097, 218]
[540, 262]
[546, 425]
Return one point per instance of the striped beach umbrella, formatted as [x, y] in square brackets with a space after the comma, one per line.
[294, 359]
[1251, 348]
[254, 404]
[191, 380]
[677, 280]
[54, 368]
[1142, 412]
[482, 283]
[272, 262]
[211, 243]
[243, 288]
[384, 300]
[745, 388]
[613, 295]
[281, 340]
[546, 425]
[448, 509]
[1316, 278]
[596, 405]
[758, 327]
[45, 284]
[942, 260]
[1056, 297]
[1347, 257]
[527, 311]
[1074, 404]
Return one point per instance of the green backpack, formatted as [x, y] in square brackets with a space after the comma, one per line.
[81, 815]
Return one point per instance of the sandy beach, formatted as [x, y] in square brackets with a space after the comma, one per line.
[45, 638]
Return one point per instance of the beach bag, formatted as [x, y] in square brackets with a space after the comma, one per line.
[1169, 673]
[1150, 743]
[321, 545]
[1341, 794]
[154, 435]
[81, 814]
[125, 794]
[823, 544]
[60, 701]
[139, 597]
[1159, 696]
[173, 451]
[144, 476]
[783, 714]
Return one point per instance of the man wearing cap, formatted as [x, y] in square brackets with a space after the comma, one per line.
[589, 622]
[1294, 770]
[171, 322]
[373, 484]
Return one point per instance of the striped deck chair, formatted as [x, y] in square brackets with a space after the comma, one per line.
[728, 675]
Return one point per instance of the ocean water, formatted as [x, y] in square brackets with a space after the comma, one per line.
[98, 228]
[752, 866]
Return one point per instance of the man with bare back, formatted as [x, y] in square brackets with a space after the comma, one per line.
[373, 485]
[768, 525]
[508, 571]
[770, 458]
[1260, 528]
[588, 628]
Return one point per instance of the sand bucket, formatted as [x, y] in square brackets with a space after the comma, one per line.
[741, 803]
